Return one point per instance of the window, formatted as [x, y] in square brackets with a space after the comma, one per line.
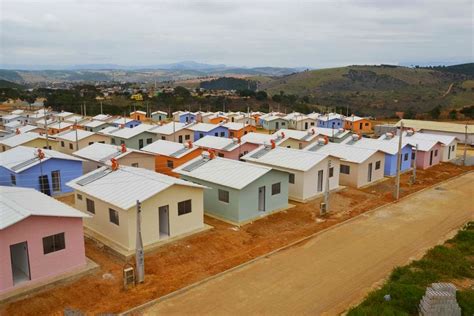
[216, 134]
[222, 134]
[436, 153]
[62, 143]
[276, 188]
[71, 146]
[79, 197]
[90, 206]
[345, 169]
[163, 138]
[366, 124]
[112, 141]
[135, 164]
[291, 178]
[149, 140]
[53, 243]
[412, 155]
[405, 157]
[201, 135]
[140, 143]
[283, 123]
[184, 207]
[13, 179]
[114, 216]
[90, 143]
[220, 154]
[231, 134]
[122, 142]
[187, 137]
[56, 180]
[223, 196]
[377, 165]
[331, 172]
[170, 164]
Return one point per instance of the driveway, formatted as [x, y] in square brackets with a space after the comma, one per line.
[337, 268]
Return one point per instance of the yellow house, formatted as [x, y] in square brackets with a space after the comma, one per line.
[29, 139]
[137, 97]
[170, 207]
[72, 140]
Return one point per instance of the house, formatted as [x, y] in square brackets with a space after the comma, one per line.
[63, 115]
[427, 153]
[449, 129]
[95, 125]
[238, 130]
[184, 117]
[9, 118]
[357, 124]
[273, 122]
[202, 117]
[334, 135]
[22, 167]
[300, 121]
[359, 167]
[331, 120]
[448, 143]
[245, 119]
[307, 171]
[173, 131]
[138, 115]
[99, 154]
[230, 148]
[40, 238]
[103, 117]
[136, 138]
[125, 122]
[30, 139]
[290, 138]
[169, 155]
[238, 192]
[159, 116]
[170, 207]
[216, 118]
[73, 140]
[389, 148]
[204, 129]
[58, 127]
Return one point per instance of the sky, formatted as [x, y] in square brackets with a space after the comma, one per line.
[289, 33]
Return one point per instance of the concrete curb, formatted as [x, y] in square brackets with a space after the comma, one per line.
[215, 276]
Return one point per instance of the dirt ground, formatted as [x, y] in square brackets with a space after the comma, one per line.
[194, 258]
[330, 272]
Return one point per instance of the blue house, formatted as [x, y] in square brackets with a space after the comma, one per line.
[331, 120]
[126, 122]
[390, 149]
[204, 129]
[21, 166]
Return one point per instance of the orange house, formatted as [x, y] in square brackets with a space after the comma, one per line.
[357, 124]
[217, 119]
[58, 127]
[238, 130]
[138, 115]
[169, 155]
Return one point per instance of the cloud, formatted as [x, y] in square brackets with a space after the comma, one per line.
[252, 33]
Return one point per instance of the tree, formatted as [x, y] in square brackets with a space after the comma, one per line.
[261, 95]
[435, 112]
[453, 114]
[409, 114]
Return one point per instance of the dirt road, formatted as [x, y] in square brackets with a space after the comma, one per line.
[338, 267]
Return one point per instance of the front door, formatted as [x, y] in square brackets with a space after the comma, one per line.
[369, 175]
[261, 199]
[20, 262]
[180, 138]
[164, 219]
[431, 158]
[320, 180]
[306, 125]
[277, 125]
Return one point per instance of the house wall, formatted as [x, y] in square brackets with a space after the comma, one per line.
[303, 125]
[219, 129]
[138, 116]
[130, 124]
[134, 142]
[185, 118]
[217, 120]
[159, 117]
[180, 136]
[356, 126]
[359, 172]
[32, 230]
[423, 157]
[329, 124]
[144, 161]
[295, 143]
[35, 143]
[390, 168]
[65, 145]
[272, 125]
[161, 162]
[235, 154]
[69, 169]
[448, 152]
[241, 132]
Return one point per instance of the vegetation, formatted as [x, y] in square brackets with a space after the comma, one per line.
[228, 83]
[407, 285]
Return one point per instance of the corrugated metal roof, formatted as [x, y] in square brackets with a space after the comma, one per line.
[168, 129]
[95, 123]
[14, 157]
[345, 152]
[127, 132]
[329, 132]
[234, 126]
[17, 140]
[227, 172]
[17, 204]
[330, 116]
[123, 187]
[423, 144]
[295, 134]
[353, 118]
[437, 126]
[70, 135]
[101, 152]
[168, 148]
[102, 117]
[443, 139]
[203, 127]
[257, 138]
[60, 125]
[214, 142]
[390, 148]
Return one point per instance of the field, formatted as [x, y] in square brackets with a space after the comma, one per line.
[452, 262]
[197, 257]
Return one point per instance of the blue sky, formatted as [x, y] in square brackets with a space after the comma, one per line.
[240, 33]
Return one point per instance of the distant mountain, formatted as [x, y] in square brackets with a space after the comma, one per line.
[11, 85]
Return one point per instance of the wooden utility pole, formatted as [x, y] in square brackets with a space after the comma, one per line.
[465, 146]
[399, 160]
[413, 176]
[326, 192]
[46, 126]
[77, 140]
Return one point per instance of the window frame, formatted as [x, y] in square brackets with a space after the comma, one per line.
[90, 206]
[114, 216]
[378, 164]
[276, 187]
[223, 196]
[342, 169]
[185, 204]
[291, 178]
[58, 243]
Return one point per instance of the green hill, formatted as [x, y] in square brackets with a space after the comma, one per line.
[4, 84]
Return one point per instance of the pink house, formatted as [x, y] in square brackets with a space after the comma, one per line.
[40, 238]
[428, 154]
[226, 147]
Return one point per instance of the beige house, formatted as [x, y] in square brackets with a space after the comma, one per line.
[29, 139]
[98, 155]
[174, 132]
[170, 207]
[73, 140]
[358, 167]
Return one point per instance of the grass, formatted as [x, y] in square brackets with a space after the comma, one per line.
[407, 285]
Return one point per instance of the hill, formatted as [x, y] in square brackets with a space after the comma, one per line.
[5, 84]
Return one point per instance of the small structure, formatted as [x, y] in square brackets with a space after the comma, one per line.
[238, 130]
[73, 140]
[440, 300]
[204, 129]
[169, 155]
[443, 128]
[103, 118]
[59, 127]
[170, 207]
[273, 121]
[159, 116]
[125, 122]
[174, 132]
[331, 120]
[448, 143]
[63, 115]
[95, 125]
[239, 192]
[136, 138]
[359, 166]
[300, 121]
[290, 138]
[357, 124]
[308, 171]
[138, 115]
[231, 148]
[184, 117]
[40, 169]
[29, 139]
[40, 238]
[335, 135]
[98, 155]
[216, 118]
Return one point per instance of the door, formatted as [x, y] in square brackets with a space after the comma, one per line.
[44, 184]
[56, 180]
[164, 219]
[306, 125]
[431, 158]
[449, 152]
[20, 262]
[180, 138]
[369, 175]
[320, 180]
[261, 199]
[277, 125]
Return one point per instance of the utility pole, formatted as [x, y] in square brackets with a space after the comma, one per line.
[347, 109]
[139, 255]
[46, 126]
[399, 160]
[77, 140]
[413, 176]
[85, 109]
[326, 191]
[465, 146]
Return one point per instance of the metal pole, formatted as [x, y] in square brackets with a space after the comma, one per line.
[46, 126]
[326, 192]
[414, 165]
[77, 141]
[465, 146]
[139, 255]
[101, 111]
[399, 160]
